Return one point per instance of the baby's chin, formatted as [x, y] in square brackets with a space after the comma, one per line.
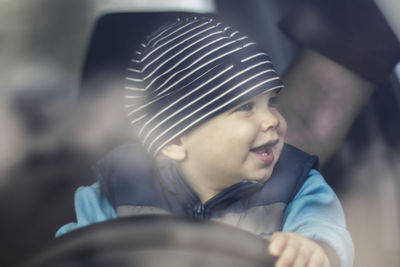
[262, 178]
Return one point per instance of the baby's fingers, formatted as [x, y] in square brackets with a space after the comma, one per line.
[289, 254]
[318, 259]
[288, 248]
[277, 243]
[303, 256]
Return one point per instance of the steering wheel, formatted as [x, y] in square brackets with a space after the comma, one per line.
[147, 241]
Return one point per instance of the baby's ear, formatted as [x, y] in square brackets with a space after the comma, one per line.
[174, 150]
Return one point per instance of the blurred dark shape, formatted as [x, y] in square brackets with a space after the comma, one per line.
[41, 110]
[379, 119]
[149, 241]
[353, 33]
[39, 198]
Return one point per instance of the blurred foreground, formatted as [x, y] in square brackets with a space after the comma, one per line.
[51, 134]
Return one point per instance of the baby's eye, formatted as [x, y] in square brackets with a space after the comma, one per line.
[272, 101]
[246, 107]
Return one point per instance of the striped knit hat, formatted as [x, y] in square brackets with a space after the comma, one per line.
[189, 71]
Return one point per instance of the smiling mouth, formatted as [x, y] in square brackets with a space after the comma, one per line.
[264, 152]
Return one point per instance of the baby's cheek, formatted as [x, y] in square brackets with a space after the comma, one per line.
[243, 135]
[282, 129]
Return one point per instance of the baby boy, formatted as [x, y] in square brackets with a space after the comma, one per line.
[200, 96]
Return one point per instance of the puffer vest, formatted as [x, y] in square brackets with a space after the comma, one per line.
[134, 185]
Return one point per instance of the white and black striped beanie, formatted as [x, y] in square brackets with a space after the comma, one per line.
[189, 71]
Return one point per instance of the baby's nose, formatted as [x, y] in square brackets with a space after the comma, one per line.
[269, 121]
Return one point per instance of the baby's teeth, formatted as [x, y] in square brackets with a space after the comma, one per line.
[264, 154]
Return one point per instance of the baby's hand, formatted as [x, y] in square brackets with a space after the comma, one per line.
[297, 251]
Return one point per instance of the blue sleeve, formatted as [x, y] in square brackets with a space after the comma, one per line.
[91, 206]
[316, 213]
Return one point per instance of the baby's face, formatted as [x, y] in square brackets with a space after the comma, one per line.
[242, 143]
